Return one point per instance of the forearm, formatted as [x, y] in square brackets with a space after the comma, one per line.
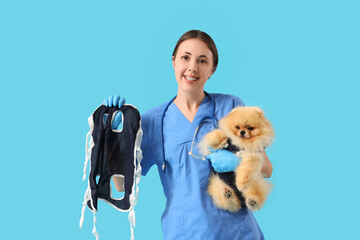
[267, 168]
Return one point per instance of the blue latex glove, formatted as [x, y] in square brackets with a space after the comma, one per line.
[223, 160]
[115, 100]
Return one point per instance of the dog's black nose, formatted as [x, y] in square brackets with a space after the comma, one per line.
[242, 132]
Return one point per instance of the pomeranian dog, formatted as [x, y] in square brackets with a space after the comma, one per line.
[246, 132]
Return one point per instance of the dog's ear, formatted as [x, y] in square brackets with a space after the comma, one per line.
[235, 109]
[259, 111]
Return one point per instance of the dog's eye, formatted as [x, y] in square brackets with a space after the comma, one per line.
[237, 127]
[250, 128]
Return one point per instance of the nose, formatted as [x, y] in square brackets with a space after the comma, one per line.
[242, 133]
[192, 67]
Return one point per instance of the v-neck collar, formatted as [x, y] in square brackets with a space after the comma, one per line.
[200, 109]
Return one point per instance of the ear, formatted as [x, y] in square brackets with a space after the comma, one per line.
[235, 109]
[212, 73]
[173, 61]
[259, 111]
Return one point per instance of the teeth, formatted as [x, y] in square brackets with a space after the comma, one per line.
[190, 78]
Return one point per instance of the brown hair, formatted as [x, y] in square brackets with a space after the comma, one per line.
[202, 36]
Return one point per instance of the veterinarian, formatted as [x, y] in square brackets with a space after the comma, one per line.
[170, 130]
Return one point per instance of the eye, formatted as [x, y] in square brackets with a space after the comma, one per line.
[250, 128]
[185, 57]
[203, 61]
[238, 127]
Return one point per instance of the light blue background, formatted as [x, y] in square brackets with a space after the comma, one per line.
[298, 60]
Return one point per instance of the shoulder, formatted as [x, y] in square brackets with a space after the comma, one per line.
[224, 103]
[226, 99]
[151, 119]
[153, 115]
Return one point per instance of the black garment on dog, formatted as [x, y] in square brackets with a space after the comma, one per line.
[113, 153]
[229, 177]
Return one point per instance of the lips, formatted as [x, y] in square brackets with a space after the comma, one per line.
[190, 78]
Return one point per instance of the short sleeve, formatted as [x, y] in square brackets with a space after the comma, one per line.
[238, 102]
[151, 145]
[148, 156]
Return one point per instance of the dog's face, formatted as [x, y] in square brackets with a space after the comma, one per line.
[245, 122]
[245, 131]
[246, 125]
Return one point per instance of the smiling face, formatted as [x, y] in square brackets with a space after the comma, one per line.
[193, 65]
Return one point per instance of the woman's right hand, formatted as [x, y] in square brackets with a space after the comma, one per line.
[223, 160]
[115, 100]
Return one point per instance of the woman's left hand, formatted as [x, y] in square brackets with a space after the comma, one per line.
[223, 160]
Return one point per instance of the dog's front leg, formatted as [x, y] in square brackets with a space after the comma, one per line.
[248, 169]
[215, 139]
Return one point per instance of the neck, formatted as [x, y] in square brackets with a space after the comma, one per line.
[189, 101]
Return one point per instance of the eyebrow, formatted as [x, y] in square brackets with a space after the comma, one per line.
[199, 56]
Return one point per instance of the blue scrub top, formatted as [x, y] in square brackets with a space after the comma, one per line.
[190, 212]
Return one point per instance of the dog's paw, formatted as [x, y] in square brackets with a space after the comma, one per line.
[227, 193]
[223, 195]
[253, 203]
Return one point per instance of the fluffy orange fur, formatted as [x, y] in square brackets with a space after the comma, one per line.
[223, 196]
[250, 131]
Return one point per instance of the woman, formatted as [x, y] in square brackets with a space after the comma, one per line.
[189, 212]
